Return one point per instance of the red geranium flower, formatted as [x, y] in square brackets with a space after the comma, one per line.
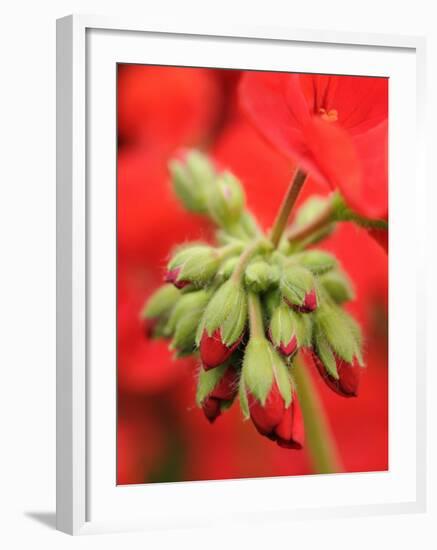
[335, 127]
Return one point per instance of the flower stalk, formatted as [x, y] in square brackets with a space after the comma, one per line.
[318, 435]
[286, 206]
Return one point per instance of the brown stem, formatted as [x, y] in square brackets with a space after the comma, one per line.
[286, 206]
[324, 218]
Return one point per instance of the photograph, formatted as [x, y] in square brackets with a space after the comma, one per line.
[252, 274]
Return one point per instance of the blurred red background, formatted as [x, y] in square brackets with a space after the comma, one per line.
[162, 436]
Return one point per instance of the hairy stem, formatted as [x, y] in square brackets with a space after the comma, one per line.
[318, 434]
[286, 206]
[255, 316]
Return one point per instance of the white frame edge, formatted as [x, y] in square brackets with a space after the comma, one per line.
[71, 265]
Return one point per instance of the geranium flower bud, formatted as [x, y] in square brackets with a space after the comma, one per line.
[216, 390]
[298, 289]
[260, 276]
[222, 325]
[317, 261]
[226, 200]
[288, 330]
[277, 422]
[337, 350]
[196, 265]
[312, 208]
[267, 395]
[160, 302]
[263, 369]
[184, 320]
[157, 308]
[349, 374]
[192, 178]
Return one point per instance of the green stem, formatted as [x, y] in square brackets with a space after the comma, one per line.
[286, 206]
[256, 323]
[318, 435]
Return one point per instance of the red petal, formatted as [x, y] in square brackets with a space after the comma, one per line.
[290, 431]
[213, 351]
[211, 408]
[267, 417]
[227, 388]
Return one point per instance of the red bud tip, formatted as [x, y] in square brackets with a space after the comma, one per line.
[285, 426]
[348, 376]
[172, 277]
[211, 408]
[213, 351]
[285, 349]
[225, 390]
[309, 304]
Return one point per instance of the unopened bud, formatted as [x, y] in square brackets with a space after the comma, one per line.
[216, 389]
[223, 324]
[195, 265]
[338, 286]
[337, 350]
[192, 178]
[260, 276]
[184, 321]
[317, 261]
[289, 330]
[298, 288]
[226, 200]
[161, 302]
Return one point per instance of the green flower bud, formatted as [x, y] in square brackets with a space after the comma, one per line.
[298, 289]
[262, 369]
[289, 330]
[335, 332]
[193, 265]
[260, 276]
[184, 320]
[223, 324]
[192, 180]
[338, 285]
[317, 261]
[226, 200]
[161, 302]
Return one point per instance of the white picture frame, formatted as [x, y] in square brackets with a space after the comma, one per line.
[80, 486]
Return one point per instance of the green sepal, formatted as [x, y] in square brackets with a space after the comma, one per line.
[185, 318]
[161, 302]
[324, 352]
[198, 264]
[341, 332]
[260, 276]
[227, 311]
[296, 281]
[317, 261]
[208, 380]
[338, 285]
[226, 200]
[262, 366]
[286, 323]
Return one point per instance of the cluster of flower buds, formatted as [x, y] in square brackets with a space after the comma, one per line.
[246, 309]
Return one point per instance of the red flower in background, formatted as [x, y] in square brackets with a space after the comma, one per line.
[335, 128]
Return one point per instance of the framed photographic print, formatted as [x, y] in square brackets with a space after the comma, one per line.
[234, 293]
